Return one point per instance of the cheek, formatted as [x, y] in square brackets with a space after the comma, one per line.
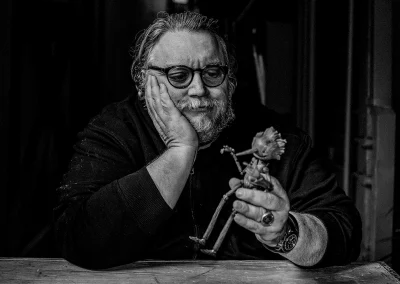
[220, 94]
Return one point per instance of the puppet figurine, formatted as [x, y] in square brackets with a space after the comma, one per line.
[267, 145]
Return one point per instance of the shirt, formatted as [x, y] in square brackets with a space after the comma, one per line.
[110, 212]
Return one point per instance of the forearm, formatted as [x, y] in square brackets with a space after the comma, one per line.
[113, 225]
[91, 232]
[170, 172]
[312, 242]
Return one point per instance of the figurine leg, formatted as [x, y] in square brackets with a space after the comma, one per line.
[221, 236]
[211, 225]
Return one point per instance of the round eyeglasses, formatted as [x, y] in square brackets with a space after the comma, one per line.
[181, 76]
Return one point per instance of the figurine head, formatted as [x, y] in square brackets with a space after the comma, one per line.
[266, 145]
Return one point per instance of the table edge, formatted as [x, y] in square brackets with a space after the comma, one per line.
[390, 270]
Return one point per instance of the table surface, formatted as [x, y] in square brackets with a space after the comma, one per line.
[44, 270]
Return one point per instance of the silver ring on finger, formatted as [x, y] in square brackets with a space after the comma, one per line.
[267, 218]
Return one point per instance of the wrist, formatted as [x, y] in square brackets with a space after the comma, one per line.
[289, 237]
[182, 155]
[183, 151]
[185, 143]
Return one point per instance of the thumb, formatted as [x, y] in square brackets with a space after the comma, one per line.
[235, 183]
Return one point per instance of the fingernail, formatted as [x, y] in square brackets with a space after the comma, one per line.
[237, 205]
[239, 192]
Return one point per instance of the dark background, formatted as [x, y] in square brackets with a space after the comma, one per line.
[63, 60]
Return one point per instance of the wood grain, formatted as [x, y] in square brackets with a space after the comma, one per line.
[18, 270]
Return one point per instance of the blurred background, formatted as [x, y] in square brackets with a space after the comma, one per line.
[328, 65]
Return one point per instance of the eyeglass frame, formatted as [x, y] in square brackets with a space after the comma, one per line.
[225, 70]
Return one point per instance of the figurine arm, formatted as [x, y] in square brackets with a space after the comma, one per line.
[230, 150]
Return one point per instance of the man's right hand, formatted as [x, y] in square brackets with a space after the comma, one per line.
[174, 129]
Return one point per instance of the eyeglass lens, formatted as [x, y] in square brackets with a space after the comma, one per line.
[181, 76]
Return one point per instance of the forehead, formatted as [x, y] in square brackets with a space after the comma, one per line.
[194, 49]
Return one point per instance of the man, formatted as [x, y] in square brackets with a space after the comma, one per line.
[147, 172]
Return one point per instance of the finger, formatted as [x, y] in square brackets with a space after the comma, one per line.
[267, 200]
[165, 107]
[155, 87]
[250, 224]
[155, 93]
[250, 211]
[235, 183]
[149, 97]
[164, 93]
[255, 227]
[151, 105]
[166, 101]
[256, 213]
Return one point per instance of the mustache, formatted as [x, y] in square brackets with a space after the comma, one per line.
[194, 103]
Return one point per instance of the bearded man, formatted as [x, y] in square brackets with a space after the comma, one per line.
[147, 173]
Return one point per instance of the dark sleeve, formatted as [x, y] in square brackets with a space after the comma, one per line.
[312, 188]
[109, 207]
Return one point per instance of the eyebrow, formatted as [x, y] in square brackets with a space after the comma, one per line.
[209, 63]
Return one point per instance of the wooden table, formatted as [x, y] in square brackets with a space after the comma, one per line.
[34, 270]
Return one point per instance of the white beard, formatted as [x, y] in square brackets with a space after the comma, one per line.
[204, 127]
[208, 128]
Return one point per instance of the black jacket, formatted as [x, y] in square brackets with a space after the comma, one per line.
[111, 213]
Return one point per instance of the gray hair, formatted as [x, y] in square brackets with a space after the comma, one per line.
[164, 23]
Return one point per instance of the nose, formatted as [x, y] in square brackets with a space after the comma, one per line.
[197, 87]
